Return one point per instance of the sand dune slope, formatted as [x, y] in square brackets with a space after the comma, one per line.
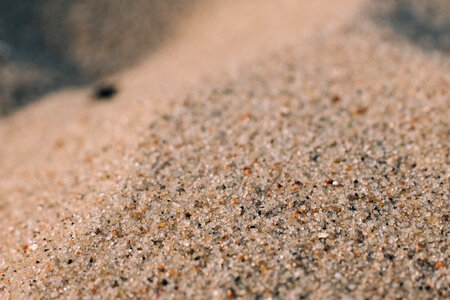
[300, 151]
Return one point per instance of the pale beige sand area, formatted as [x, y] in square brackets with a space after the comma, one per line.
[270, 149]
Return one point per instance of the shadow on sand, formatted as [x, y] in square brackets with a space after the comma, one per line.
[424, 24]
[51, 44]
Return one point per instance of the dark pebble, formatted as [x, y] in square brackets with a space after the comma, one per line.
[105, 92]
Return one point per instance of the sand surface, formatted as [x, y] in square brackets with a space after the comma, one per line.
[270, 149]
[52, 44]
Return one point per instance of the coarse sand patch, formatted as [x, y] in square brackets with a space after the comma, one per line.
[317, 169]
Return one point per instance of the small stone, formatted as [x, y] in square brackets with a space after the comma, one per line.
[231, 293]
[360, 110]
[322, 235]
[335, 98]
[105, 91]
[161, 268]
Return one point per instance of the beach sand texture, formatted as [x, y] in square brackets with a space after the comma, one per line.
[268, 150]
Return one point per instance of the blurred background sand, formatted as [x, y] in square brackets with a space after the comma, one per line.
[51, 44]
[47, 45]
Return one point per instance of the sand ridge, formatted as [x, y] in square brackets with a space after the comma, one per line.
[296, 174]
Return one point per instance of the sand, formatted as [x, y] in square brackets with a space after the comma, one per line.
[305, 159]
[47, 45]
